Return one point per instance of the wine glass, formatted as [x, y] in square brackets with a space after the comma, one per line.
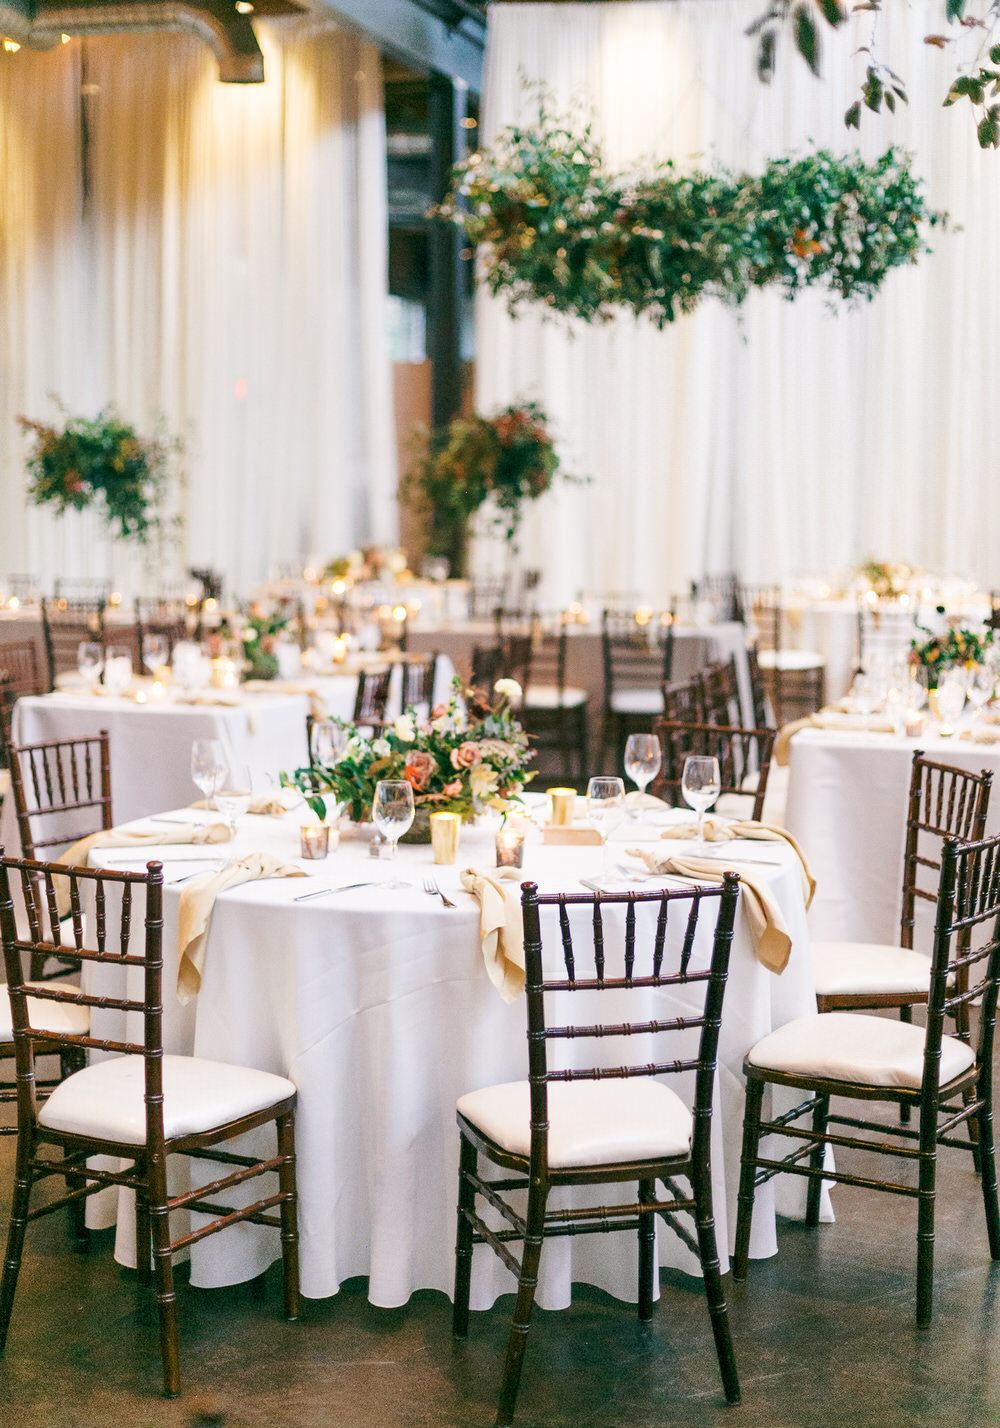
[233, 793]
[329, 741]
[208, 763]
[981, 686]
[701, 784]
[155, 652]
[117, 669]
[392, 814]
[642, 763]
[951, 700]
[90, 661]
[605, 809]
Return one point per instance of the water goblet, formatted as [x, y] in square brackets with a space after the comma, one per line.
[642, 763]
[233, 793]
[117, 669]
[155, 652]
[90, 661]
[605, 809]
[701, 784]
[208, 763]
[393, 813]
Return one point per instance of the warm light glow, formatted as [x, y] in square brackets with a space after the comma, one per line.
[399, 613]
[13, 603]
[211, 604]
[338, 587]
[65, 39]
[469, 123]
[244, 7]
[11, 46]
[643, 615]
[115, 598]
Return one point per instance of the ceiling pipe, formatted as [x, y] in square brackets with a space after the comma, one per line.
[229, 35]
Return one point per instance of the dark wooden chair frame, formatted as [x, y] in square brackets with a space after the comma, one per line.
[487, 665]
[167, 617]
[419, 678]
[631, 661]
[533, 1172]
[372, 697]
[799, 687]
[724, 587]
[763, 715]
[968, 898]
[69, 625]
[147, 1173]
[541, 655]
[741, 753]
[720, 691]
[684, 702]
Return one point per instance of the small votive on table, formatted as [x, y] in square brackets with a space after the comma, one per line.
[314, 839]
[225, 673]
[510, 847]
[563, 806]
[444, 836]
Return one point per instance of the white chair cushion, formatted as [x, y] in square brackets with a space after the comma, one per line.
[637, 701]
[790, 660]
[590, 1122]
[853, 968]
[105, 1100]
[546, 696]
[56, 1017]
[868, 1050]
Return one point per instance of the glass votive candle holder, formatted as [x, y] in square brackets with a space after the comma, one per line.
[563, 801]
[444, 836]
[314, 840]
[510, 847]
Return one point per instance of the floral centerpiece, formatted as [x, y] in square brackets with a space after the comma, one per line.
[257, 635]
[886, 579]
[508, 458]
[101, 462]
[954, 647]
[468, 756]
[371, 562]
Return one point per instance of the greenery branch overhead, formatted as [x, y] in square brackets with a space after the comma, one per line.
[551, 224]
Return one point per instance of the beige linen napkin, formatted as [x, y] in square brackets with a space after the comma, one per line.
[772, 944]
[829, 718]
[197, 902]
[500, 927]
[716, 831]
[267, 805]
[212, 698]
[78, 854]
[982, 734]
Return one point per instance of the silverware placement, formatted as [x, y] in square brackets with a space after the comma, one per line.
[323, 892]
[432, 890]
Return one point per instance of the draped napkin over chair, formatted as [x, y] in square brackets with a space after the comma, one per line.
[501, 929]
[78, 854]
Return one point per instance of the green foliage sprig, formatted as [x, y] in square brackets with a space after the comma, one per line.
[101, 462]
[551, 224]
[954, 647]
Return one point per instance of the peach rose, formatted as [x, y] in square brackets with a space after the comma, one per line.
[466, 756]
[453, 789]
[418, 770]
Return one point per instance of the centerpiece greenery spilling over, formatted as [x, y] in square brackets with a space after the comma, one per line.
[551, 224]
[888, 579]
[954, 647]
[101, 462]
[469, 755]
[507, 459]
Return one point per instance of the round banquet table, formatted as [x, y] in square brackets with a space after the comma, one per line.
[378, 1006]
[847, 797]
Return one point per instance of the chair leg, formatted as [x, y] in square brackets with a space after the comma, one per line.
[905, 1015]
[468, 1160]
[748, 1173]
[70, 1061]
[166, 1297]
[143, 1262]
[289, 1215]
[647, 1251]
[925, 1218]
[526, 1285]
[988, 1170]
[821, 1109]
[15, 1234]
[708, 1253]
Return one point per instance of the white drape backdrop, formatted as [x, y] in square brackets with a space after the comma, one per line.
[794, 438]
[215, 253]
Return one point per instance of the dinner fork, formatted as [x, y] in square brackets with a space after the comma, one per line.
[432, 890]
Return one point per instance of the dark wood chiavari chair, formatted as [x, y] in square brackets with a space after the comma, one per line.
[177, 1106]
[795, 677]
[554, 712]
[372, 697]
[610, 1123]
[744, 757]
[64, 629]
[720, 687]
[487, 666]
[684, 702]
[161, 616]
[993, 620]
[24, 587]
[638, 660]
[419, 677]
[763, 716]
[80, 591]
[485, 597]
[944, 1081]
[724, 591]
[20, 675]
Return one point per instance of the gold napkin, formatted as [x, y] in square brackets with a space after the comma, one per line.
[982, 734]
[197, 902]
[78, 854]
[772, 944]
[268, 805]
[501, 930]
[317, 704]
[213, 698]
[870, 724]
[717, 831]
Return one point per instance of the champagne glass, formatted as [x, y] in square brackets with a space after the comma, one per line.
[233, 793]
[208, 762]
[329, 741]
[392, 814]
[117, 669]
[90, 661]
[605, 809]
[642, 763]
[155, 652]
[701, 784]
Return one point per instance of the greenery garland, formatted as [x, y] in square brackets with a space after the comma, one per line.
[551, 224]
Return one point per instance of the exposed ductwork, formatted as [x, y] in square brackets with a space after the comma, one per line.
[228, 34]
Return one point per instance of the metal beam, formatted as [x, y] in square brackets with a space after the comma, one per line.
[448, 104]
[415, 32]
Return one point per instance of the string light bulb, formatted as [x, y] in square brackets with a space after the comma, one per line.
[65, 39]
[11, 46]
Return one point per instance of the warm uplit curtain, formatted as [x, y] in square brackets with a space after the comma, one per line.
[212, 253]
[790, 438]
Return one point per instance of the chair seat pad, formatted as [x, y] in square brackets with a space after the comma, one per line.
[59, 1018]
[637, 701]
[549, 696]
[846, 1046]
[590, 1122]
[105, 1101]
[855, 968]
[790, 660]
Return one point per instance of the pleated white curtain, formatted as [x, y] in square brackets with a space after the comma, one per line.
[791, 438]
[212, 253]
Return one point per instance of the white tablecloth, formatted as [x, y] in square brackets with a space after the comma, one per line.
[847, 807]
[377, 1005]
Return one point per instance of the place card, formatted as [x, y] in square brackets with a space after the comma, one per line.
[570, 835]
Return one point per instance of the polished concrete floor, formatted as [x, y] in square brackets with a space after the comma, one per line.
[824, 1334]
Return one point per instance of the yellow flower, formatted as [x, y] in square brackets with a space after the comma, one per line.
[482, 781]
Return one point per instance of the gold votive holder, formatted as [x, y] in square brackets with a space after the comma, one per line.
[510, 847]
[314, 840]
[225, 673]
[444, 836]
[563, 801]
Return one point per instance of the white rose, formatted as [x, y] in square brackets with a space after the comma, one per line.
[355, 748]
[509, 689]
[381, 748]
[249, 635]
[404, 729]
